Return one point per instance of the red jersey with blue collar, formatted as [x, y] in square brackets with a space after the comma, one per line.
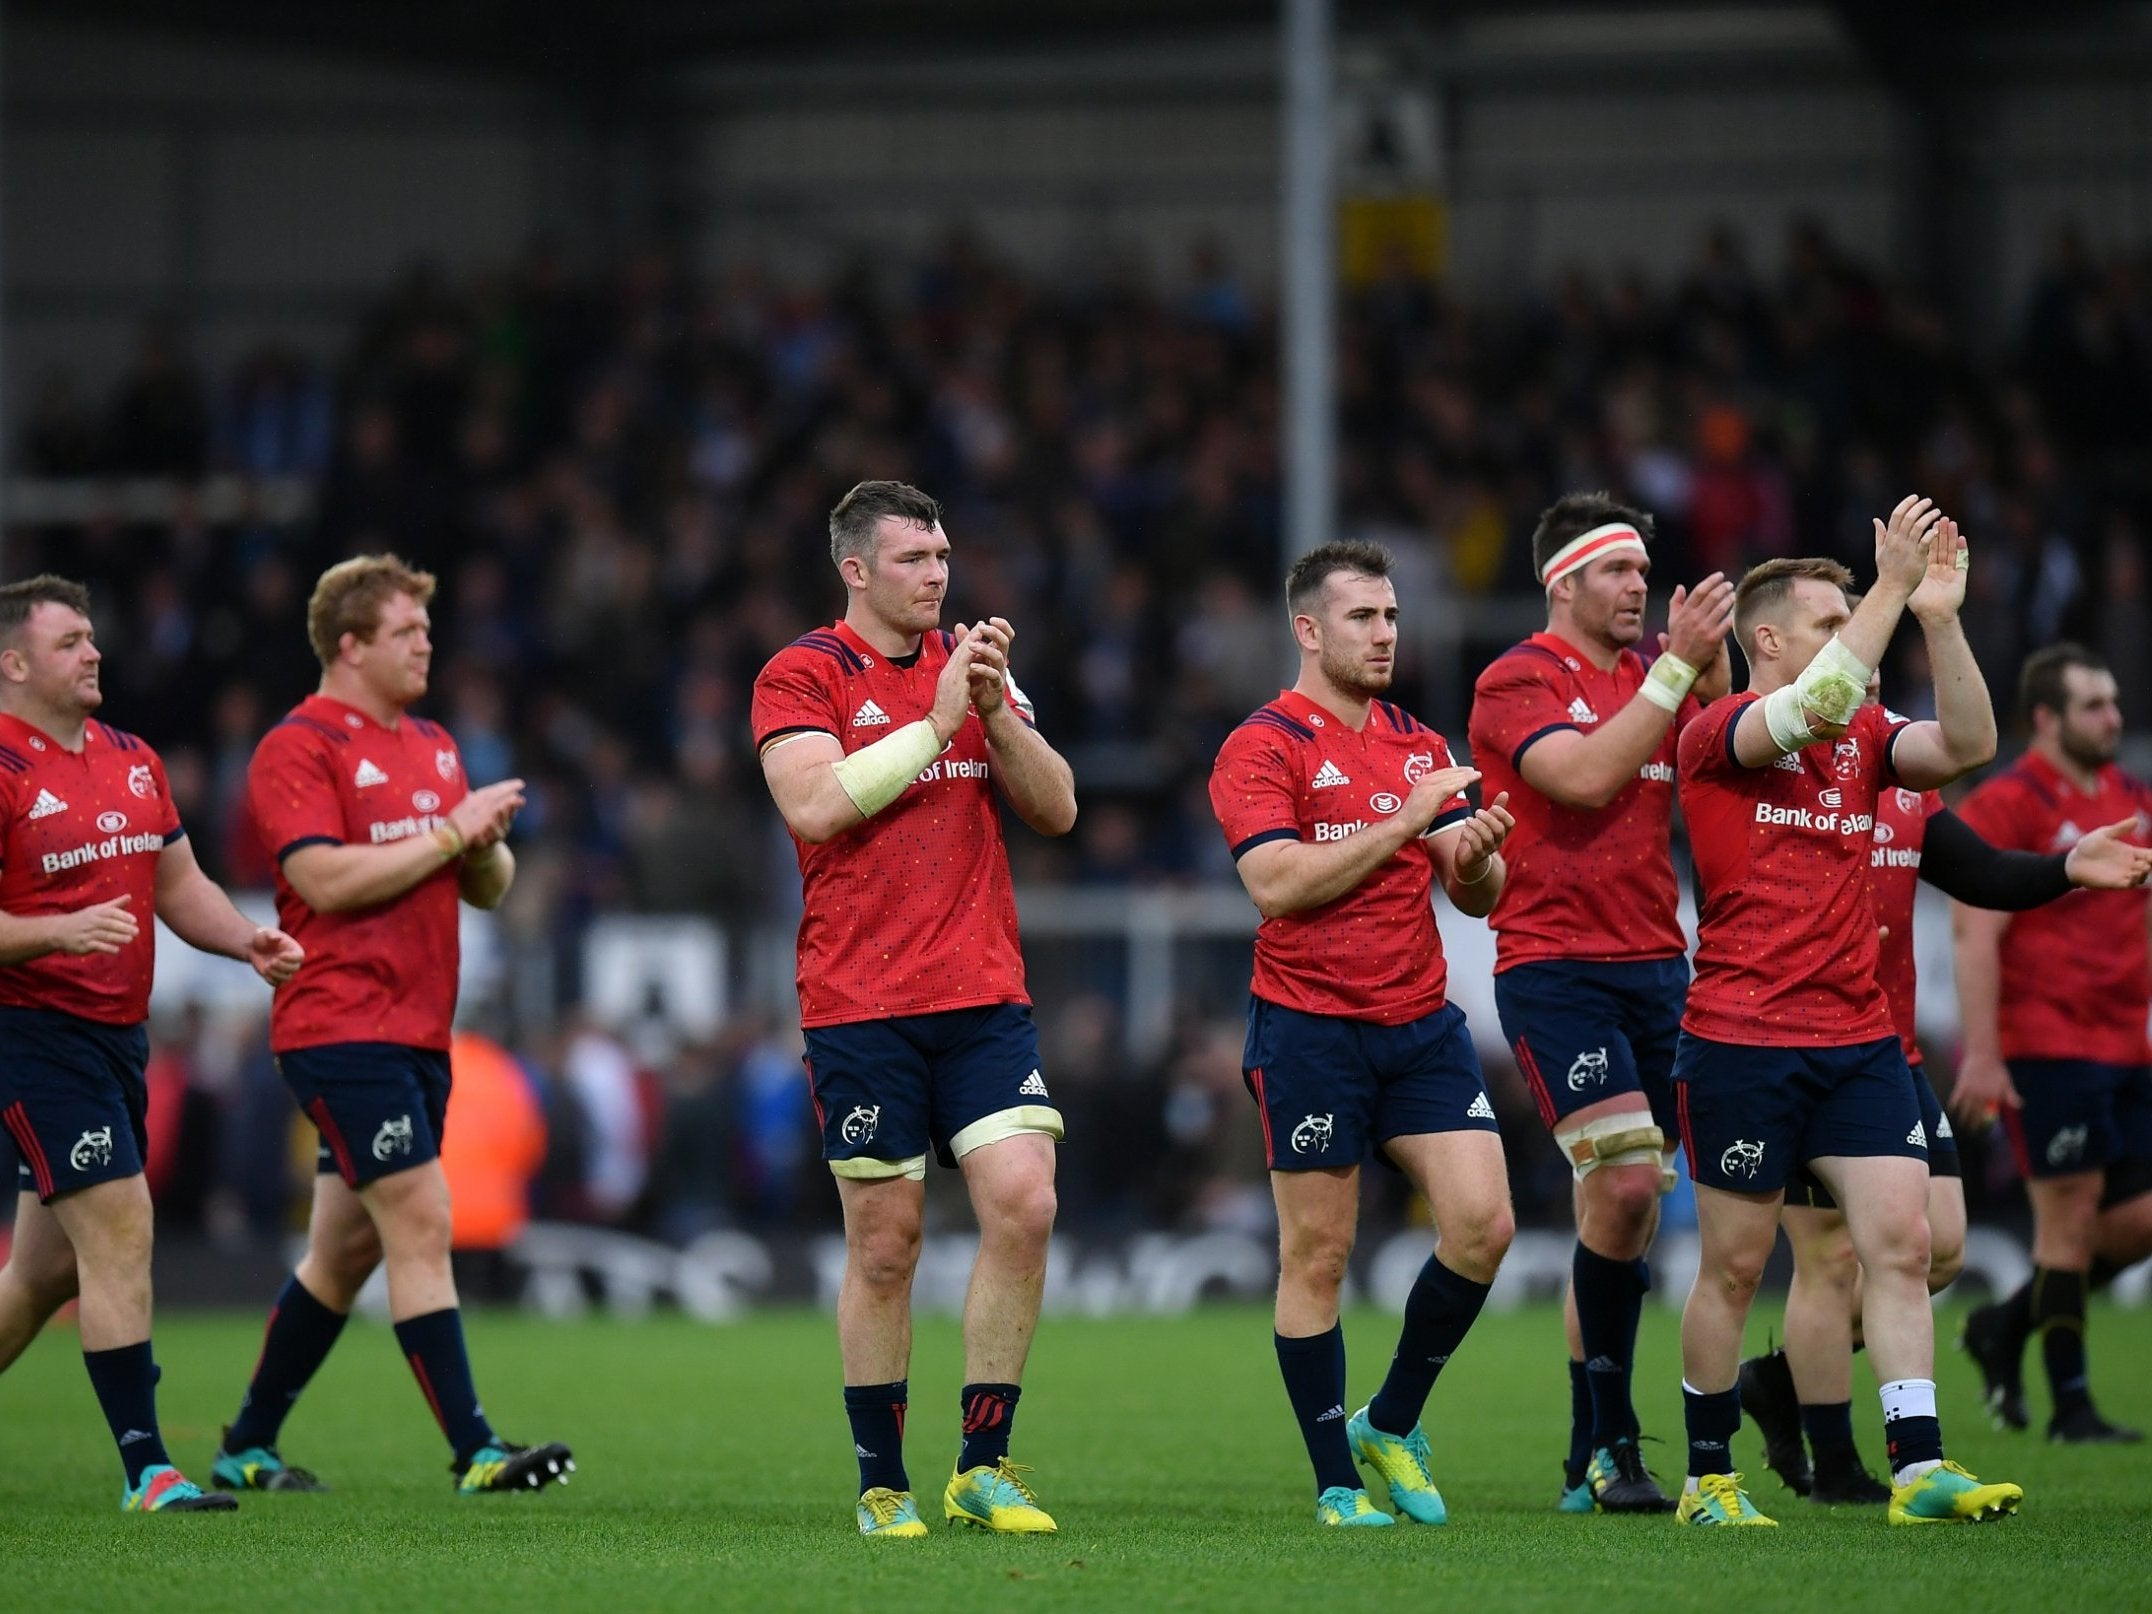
[2076, 972]
[329, 775]
[1297, 771]
[1786, 950]
[1893, 878]
[1594, 884]
[78, 828]
[911, 911]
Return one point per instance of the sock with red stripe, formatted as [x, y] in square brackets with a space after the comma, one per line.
[433, 1345]
[989, 1410]
[877, 1415]
[300, 1334]
[126, 1384]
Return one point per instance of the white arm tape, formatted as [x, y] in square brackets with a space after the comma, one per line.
[1831, 687]
[1668, 682]
[875, 775]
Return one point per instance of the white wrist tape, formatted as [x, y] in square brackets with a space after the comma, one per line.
[1668, 682]
[875, 775]
[1831, 688]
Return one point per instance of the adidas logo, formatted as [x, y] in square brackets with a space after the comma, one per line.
[1789, 763]
[1479, 1109]
[133, 1435]
[368, 774]
[861, 1450]
[46, 805]
[1918, 1137]
[1337, 1411]
[869, 716]
[1327, 777]
[1034, 1086]
[1579, 712]
[1602, 1364]
[1942, 1129]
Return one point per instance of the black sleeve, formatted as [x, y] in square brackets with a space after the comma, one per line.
[1958, 863]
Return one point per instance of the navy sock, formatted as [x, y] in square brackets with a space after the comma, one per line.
[989, 1411]
[1580, 1426]
[2058, 1315]
[1712, 1420]
[2103, 1274]
[1829, 1427]
[1314, 1370]
[433, 1345]
[877, 1414]
[1610, 1305]
[1438, 1313]
[126, 1384]
[297, 1341]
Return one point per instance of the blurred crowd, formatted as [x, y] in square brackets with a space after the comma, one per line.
[622, 480]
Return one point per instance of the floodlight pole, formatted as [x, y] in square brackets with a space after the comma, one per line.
[1308, 290]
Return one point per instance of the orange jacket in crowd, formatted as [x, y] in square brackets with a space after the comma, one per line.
[495, 1143]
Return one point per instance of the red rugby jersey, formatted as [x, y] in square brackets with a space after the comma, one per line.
[1296, 771]
[1595, 885]
[1786, 936]
[1893, 874]
[330, 775]
[2076, 977]
[911, 911]
[79, 828]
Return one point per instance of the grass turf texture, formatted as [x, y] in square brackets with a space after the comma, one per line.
[716, 1473]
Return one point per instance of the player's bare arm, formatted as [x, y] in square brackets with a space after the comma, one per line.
[1285, 877]
[1468, 857]
[819, 802]
[486, 875]
[1035, 778]
[103, 927]
[196, 910]
[1827, 691]
[1983, 1085]
[1584, 771]
[1962, 736]
[339, 879]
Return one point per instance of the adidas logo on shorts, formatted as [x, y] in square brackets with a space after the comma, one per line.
[1479, 1109]
[1034, 1086]
[1942, 1129]
[1328, 776]
[368, 774]
[46, 805]
[1918, 1137]
[869, 716]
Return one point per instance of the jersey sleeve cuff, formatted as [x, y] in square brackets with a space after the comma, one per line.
[1890, 749]
[290, 847]
[1516, 757]
[176, 834]
[1243, 848]
[764, 742]
[1733, 757]
[1449, 820]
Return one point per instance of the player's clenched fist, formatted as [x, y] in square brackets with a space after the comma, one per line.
[103, 927]
[275, 956]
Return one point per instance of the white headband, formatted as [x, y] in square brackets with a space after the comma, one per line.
[1613, 538]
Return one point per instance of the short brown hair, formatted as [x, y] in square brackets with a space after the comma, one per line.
[1312, 570]
[852, 524]
[350, 595]
[2043, 682]
[1572, 516]
[19, 600]
[1768, 586]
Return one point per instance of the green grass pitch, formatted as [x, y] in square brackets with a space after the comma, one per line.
[716, 1473]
